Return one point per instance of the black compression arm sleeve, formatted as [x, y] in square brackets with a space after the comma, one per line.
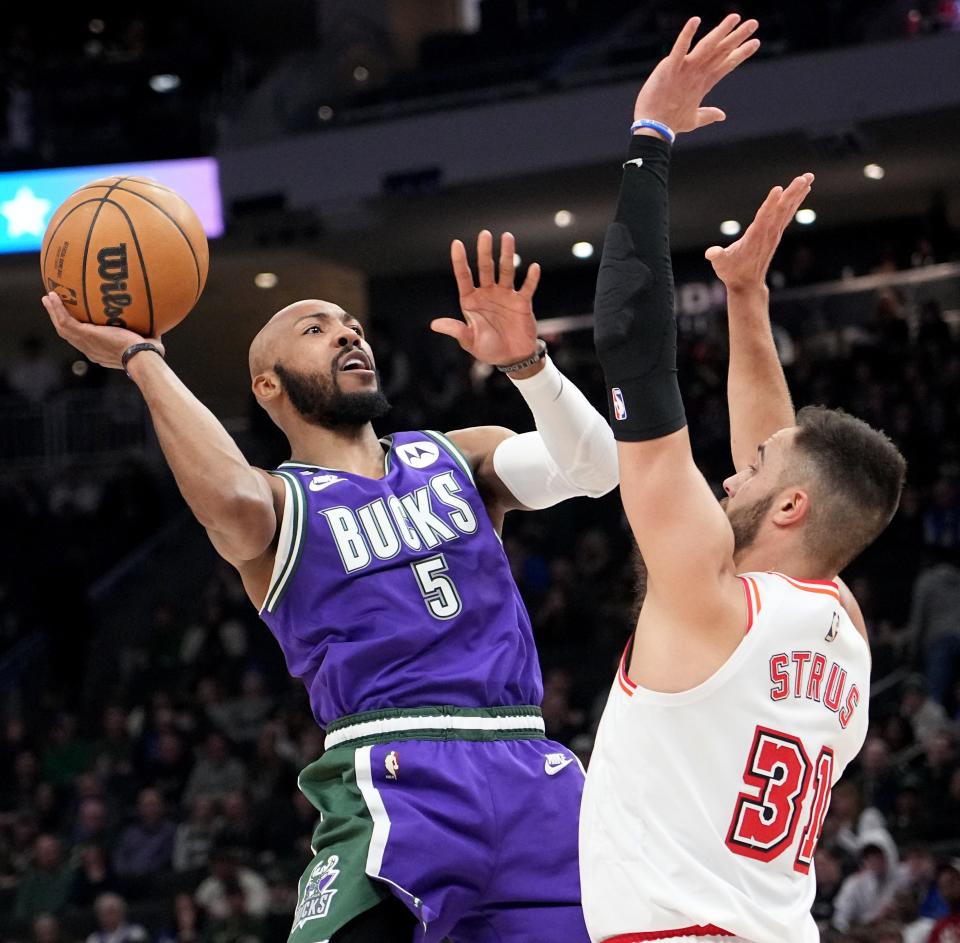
[635, 329]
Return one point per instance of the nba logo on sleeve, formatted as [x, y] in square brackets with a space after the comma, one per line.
[619, 408]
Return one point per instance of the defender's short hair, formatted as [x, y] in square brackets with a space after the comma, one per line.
[857, 476]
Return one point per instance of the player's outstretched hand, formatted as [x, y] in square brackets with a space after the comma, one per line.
[99, 343]
[498, 325]
[744, 263]
[677, 86]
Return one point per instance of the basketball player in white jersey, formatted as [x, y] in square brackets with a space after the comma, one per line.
[744, 691]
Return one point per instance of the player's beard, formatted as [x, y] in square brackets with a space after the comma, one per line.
[746, 521]
[320, 401]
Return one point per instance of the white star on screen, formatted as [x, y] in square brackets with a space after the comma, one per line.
[26, 214]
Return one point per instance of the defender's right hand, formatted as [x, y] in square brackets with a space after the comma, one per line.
[744, 263]
[97, 342]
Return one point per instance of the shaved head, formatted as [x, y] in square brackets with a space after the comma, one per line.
[263, 348]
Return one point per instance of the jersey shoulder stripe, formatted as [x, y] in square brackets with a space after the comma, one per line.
[291, 540]
[451, 449]
[825, 587]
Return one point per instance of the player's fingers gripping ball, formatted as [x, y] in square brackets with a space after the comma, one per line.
[127, 252]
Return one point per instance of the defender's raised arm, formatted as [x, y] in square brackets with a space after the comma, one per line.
[678, 525]
[757, 391]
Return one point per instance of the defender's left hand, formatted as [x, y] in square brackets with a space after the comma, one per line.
[498, 324]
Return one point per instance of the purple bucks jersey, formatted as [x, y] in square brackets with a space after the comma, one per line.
[396, 592]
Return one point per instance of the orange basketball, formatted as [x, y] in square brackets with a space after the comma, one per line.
[126, 251]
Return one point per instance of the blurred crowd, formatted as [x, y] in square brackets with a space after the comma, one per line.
[160, 804]
[140, 82]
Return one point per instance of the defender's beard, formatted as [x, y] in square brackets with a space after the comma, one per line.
[746, 521]
[321, 401]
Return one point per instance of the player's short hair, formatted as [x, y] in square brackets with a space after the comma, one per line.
[856, 475]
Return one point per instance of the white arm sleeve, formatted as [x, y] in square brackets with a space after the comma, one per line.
[572, 453]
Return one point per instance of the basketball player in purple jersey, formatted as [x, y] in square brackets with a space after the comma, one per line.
[378, 566]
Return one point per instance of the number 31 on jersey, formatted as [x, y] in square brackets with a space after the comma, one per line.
[779, 777]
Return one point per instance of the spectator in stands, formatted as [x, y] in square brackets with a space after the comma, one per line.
[848, 822]
[239, 925]
[216, 772]
[941, 523]
[238, 828]
[241, 718]
[34, 375]
[145, 846]
[910, 819]
[927, 717]
[169, 768]
[272, 775]
[46, 929]
[45, 888]
[187, 923]
[865, 895]
[935, 624]
[17, 792]
[937, 775]
[291, 828]
[225, 872]
[947, 929]
[93, 822]
[93, 876]
[195, 837]
[114, 750]
[111, 912]
[67, 754]
[217, 643]
[829, 878]
[48, 808]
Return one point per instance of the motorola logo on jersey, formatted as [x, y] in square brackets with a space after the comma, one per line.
[422, 519]
[418, 454]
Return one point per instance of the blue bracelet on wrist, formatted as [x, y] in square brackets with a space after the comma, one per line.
[666, 133]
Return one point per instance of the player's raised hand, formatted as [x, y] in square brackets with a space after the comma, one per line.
[677, 86]
[498, 325]
[99, 343]
[744, 263]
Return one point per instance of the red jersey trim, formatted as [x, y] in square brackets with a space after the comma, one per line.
[756, 593]
[746, 592]
[626, 685]
[826, 587]
[703, 930]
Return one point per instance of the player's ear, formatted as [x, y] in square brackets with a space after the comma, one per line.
[266, 386]
[791, 507]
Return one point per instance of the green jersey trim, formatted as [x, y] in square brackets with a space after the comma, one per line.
[292, 539]
[451, 449]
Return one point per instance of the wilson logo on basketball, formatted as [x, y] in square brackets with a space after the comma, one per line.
[114, 273]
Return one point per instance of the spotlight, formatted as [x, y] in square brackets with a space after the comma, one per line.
[805, 216]
[874, 172]
[265, 280]
[582, 250]
[563, 218]
[730, 227]
[166, 82]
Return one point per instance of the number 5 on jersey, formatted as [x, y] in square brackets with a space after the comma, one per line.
[765, 819]
[439, 593]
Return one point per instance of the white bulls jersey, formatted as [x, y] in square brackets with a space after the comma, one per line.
[702, 810]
